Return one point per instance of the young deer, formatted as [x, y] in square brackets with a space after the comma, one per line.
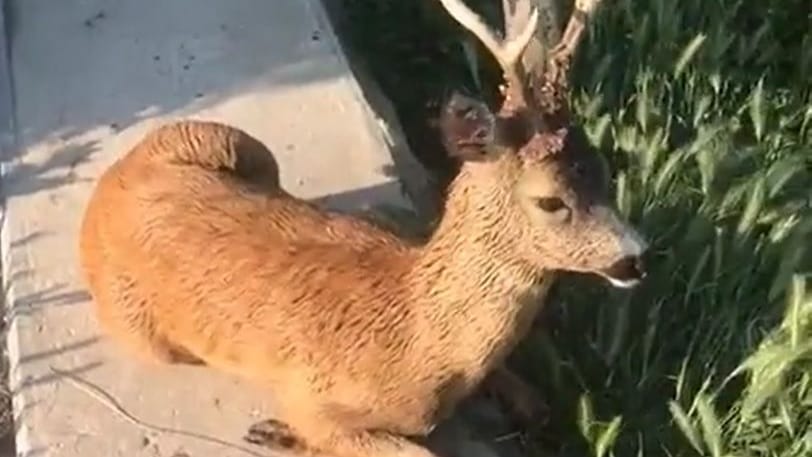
[194, 254]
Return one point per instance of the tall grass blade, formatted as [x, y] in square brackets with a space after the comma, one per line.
[758, 110]
[699, 267]
[623, 196]
[586, 417]
[608, 437]
[711, 428]
[781, 172]
[652, 153]
[753, 207]
[688, 53]
[679, 386]
[768, 368]
[597, 134]
[786, 416]
[701, 109]
[642, 101]
[795, 311]
[686, 427]
[667, 171]
[807, 121]
[793, 252]
[620, 332]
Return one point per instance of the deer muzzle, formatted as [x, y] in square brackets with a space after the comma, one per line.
[629, 268]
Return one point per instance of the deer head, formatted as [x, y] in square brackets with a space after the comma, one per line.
[558, 183]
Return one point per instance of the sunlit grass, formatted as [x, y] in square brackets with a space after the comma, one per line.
[704, 109]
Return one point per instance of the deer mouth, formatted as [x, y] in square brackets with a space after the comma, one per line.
[626, 272]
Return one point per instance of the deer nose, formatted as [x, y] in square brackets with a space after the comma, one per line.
[626, 272]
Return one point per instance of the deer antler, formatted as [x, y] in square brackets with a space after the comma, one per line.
[507, 52]
[573, 33]
[551, 92]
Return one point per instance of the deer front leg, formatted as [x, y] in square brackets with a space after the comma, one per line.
[523, 402]
[274, 434]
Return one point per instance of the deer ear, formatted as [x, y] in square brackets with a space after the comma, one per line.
[467, 127]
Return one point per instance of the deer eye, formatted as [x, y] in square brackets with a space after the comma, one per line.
[550, 204]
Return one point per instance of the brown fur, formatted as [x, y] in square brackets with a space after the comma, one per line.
[194, 253]
[356, 329]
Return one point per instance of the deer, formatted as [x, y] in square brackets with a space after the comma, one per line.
[194, 253]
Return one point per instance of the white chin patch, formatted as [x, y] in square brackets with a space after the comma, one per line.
[622, 283]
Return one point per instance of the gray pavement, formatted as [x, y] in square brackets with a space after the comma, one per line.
[90, 77]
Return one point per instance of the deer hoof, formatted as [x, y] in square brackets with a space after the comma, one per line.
[272, 434]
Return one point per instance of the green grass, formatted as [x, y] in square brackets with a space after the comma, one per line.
[704, 109]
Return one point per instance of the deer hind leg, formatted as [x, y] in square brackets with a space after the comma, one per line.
[125, 313]
[327, 438]
[522, 401]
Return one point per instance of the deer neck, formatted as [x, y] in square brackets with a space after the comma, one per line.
[474, 287]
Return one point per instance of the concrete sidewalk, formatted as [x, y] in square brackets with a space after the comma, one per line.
[90, 77]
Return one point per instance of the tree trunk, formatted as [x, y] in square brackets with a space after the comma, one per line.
[552, 15]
